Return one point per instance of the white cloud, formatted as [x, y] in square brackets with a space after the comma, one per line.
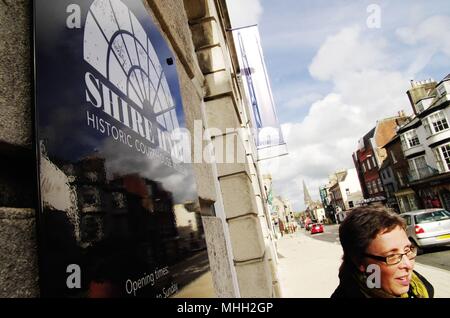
[356, 76]
[366, 87]
[243, 13]
[303, 100]
[346, 53]
[434, 30]
[297, 93]
[428, 38]
[303, 25]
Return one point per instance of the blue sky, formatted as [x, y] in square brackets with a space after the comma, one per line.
[333, 76]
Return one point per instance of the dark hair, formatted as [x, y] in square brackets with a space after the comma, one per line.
[360, 227]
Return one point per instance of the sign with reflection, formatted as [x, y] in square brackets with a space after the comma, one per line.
[119, 213]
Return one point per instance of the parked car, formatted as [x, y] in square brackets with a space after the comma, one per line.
[317, 228]
[427, 228]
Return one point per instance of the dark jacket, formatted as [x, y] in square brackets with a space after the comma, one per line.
[348, 287]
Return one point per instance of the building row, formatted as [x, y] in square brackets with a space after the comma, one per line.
[282, 214]
[404, 161]
[342, 193]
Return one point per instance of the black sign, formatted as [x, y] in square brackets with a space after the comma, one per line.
[119, 212]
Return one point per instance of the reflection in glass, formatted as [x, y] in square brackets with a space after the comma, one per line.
[120, 229]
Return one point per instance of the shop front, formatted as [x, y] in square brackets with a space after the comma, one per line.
[407, 200]
[434, 192]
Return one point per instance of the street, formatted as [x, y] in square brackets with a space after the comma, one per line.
[437, 257]
[330, 234]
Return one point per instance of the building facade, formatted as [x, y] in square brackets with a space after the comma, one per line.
[425, 141]
[283, 215]
[370, 156]
[404, 195]
[345, 189]
[326, 198]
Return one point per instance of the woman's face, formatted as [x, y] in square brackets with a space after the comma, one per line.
[395, 279]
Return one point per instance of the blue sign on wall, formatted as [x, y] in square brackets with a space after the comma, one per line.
[119, 213]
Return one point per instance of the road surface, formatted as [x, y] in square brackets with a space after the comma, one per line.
[437, 257]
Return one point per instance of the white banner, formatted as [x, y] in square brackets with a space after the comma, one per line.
[266, 128]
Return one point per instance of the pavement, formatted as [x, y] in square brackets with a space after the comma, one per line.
[201, 287]
[308, 267]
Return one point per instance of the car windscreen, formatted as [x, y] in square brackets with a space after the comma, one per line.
[432, 216]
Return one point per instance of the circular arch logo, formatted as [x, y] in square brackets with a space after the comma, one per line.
[117, 46]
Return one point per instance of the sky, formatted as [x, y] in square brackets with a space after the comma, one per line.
[335, 68]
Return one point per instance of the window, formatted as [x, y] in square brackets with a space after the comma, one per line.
[363, 167]
[419, 107]
[443, 162]
[401, 204]
[368, 164]
[118, 200]
[369, 187]
[404, 143]
[394, 160]
[90, 196]
[374, 186]
[388, 173]
[423, 104]
[412, 202]
[350, 204]
[417, 167]
[437, 156]
[374, 162]
[429, 217]
[400, 178]
[410, 139]
[441, 90]
[380, 185]
[389, 188]
[426, 125]
[437, 122]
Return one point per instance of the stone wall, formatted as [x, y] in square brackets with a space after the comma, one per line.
[173, 22]
[238, 186]
[15, 72]
[18, 250]
[18, 253]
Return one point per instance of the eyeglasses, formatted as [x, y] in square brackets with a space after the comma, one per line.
[395, 258]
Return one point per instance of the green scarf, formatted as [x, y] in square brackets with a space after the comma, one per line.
[417, 288]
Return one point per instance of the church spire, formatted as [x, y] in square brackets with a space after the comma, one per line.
[306, 196]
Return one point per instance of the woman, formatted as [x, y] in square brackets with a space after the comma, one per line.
[378, 258]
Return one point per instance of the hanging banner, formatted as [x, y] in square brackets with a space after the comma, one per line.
[255, 80]
[119, 213]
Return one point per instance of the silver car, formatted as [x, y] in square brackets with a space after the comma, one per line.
[427, 228]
